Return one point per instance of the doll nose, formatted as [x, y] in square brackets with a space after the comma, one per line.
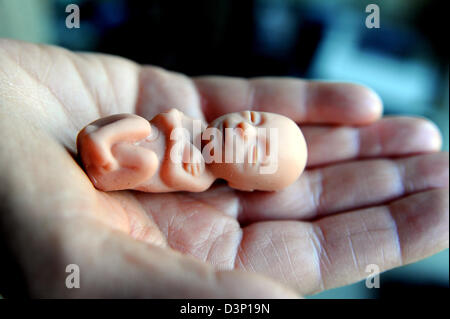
[246, 130]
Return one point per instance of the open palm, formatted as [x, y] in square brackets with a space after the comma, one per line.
[375, 190]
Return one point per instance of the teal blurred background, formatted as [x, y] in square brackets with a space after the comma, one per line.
[405, 61]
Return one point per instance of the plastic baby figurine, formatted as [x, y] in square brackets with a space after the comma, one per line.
[173, 152]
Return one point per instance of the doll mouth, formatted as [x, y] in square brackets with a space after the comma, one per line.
[254, 155]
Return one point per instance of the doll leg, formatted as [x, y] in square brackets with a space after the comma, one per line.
[110, 156]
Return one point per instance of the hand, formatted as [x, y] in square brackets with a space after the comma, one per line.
[375, 190]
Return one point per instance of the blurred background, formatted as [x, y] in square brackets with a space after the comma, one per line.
[405, 61]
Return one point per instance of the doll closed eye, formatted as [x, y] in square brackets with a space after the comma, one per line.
[253, 117]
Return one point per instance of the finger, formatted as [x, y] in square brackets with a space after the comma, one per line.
[161, 90]
[113, 265]
[303, 101]
[390, 136]
[347, 186]
[336, 250]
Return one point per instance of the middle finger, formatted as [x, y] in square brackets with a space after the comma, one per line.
[351, 185]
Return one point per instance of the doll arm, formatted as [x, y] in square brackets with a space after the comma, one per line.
[110, 156]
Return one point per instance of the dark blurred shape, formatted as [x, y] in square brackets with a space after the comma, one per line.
[402, 60]
[192, 38]
[241, 38]
[431, 22]
[388, 40]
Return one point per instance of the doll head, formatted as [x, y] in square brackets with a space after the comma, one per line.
[268, 150]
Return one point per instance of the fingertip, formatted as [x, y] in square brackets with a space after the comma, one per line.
[431, 134]
[369, 104]
[374, 104]
[342, 103]
[420, 132]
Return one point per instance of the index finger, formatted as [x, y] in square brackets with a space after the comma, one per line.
[301, 100]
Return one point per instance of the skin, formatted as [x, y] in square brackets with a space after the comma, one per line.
[375, 190]
[126, 151]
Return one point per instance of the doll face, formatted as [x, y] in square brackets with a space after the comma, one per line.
[271, 145]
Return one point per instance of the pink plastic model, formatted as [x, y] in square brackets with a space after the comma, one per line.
[173, 152]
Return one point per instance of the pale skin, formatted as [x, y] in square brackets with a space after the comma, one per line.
[126, 151]
[379, 186]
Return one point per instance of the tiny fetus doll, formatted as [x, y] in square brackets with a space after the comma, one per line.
[173, 152]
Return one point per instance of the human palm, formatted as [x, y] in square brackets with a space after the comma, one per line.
[375, 191]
